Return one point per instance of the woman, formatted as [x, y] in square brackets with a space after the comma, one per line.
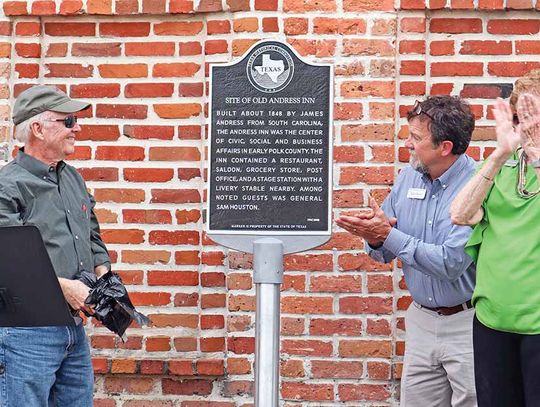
[503, 201]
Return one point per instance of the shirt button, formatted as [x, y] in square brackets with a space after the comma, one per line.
[431, 299]
[429, 222]
[81, 263]
[433, 197]
[444, 186]
[68, 211]
[44, 177]
[76, 237]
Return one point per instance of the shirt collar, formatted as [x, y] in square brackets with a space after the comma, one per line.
[452, 173]
[37, 167]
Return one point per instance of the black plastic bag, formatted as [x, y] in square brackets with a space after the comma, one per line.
[111, 303]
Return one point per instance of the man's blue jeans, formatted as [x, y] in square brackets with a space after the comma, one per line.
[45, 367]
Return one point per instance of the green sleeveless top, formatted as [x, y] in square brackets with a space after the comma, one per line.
[505, 246]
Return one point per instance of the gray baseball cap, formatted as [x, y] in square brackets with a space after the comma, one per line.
[39, 99]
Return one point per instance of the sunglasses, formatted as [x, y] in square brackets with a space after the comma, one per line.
[417, 110]
[69, 121]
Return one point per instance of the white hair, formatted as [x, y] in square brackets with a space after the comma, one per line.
[23, 130]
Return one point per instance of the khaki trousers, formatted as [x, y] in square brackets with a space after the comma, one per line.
[438, 368]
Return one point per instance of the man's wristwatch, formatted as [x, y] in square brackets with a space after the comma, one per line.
[535, 163]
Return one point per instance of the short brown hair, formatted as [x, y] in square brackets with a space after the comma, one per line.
[529, 83]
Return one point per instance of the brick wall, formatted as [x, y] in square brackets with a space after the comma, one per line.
[143, 65]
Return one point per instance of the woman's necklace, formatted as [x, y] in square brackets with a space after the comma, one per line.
[522, 177]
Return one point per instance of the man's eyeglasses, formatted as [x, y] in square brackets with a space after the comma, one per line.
[69, 121]
[417, 110]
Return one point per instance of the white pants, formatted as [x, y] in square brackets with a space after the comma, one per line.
[438, 368]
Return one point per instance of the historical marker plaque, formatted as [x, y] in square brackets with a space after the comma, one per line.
[270, 144]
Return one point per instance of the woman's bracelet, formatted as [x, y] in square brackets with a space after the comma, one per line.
[483, 176]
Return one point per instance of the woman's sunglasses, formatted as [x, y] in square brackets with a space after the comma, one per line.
[69, 121]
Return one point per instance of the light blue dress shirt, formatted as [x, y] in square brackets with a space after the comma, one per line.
[437, 271]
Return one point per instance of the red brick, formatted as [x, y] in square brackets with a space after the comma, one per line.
[295, 26]
[511, 69]
[174, 320]
[513, 26]
[150, 48]
[177, 110]
[71, 7]
[98, 132]
[174, 237]
[25, 50]
[180, 6]
[150, 299]
[190, 48]
[241, 345]
[365, 348]
[266, 5]
[486, 47]
[218, 27]
[412, 68]
[15, 8]
[123, 236]
[131, 385]
[212, 47]
[348, 154]
[174, 154]
[95, 90]
[99, 7]
[96, 50]
[172, 70]
[148, 174]
[68, 71]
[457, 69]
[412, 47]
[323, 369]
[148, 132]
[120, 153]
[367, 47]
[99, 174]
[455, 25]
[365, 305]
[124, 7]
[307, 305]
[150, 216]
[185, 28]
[43, 8]
[119, 195]
[27, 29]
[67, 29]
[123, 71]
[368, 5]
[413, 24]
[340, 327]
[27, 70]
[121, 111]
[528, 47]
[173, 278]
[338, 284]
[118, 29]
[307, 392]
[175, 196]
[491, 4]
[363, 392]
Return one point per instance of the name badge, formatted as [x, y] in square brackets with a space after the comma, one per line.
[511, 163]
[416, 193]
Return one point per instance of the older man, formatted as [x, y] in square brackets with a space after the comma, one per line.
[50, 366]
[414, 225]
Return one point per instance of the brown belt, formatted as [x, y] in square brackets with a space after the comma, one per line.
[450, 310]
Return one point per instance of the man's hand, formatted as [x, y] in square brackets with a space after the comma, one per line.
[75, 292]
[100, 270]
[508, 138]
[372, 225]
[528, 110]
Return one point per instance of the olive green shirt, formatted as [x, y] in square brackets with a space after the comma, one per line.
[506, 248]
[54, 199]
